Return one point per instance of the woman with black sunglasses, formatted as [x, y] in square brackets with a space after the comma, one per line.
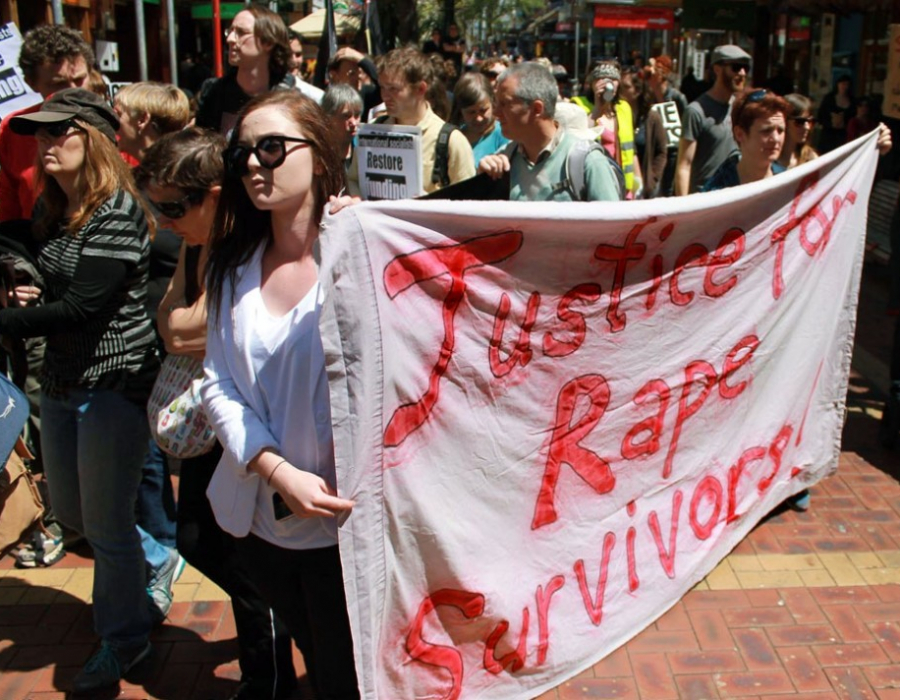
[182, 174]
[800, 122]
[101, 360]
[266, 391]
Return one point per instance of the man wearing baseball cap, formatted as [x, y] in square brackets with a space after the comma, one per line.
[706, 138]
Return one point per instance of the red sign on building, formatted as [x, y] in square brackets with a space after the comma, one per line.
[619, 17]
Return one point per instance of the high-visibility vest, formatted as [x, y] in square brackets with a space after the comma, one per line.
[625, 135]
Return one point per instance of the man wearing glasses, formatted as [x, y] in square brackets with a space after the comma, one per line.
[706, 138]
[259, 48]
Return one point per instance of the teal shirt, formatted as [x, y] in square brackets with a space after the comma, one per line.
[543, 181]
[489, 144]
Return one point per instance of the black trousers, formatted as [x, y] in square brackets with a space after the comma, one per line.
[306, 590]
[264, 642]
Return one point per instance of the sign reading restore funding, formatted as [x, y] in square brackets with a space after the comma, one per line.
[555, 419]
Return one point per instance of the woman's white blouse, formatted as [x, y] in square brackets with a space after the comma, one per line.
[265, 386]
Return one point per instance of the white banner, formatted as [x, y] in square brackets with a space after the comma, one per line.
[390, 161]
[14, 91]
[556, 419]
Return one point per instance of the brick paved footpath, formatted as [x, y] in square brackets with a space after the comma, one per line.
[807, 607]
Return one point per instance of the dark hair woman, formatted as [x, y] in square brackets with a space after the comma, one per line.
[800, 122]
[837, 109]
[266, 391]
[94, 249]
[473, 108]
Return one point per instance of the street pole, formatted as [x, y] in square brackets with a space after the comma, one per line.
[173, 58]
[58, 17]
[217, 37]
[577, 39]
[141, 37]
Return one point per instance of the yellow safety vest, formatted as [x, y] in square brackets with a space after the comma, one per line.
[625, 135]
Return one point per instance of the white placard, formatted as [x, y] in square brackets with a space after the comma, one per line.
[14, 91]
[668, 111]
[390, 161]
[108, 56]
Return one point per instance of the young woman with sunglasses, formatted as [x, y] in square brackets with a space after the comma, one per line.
[266, 391]
[800, 122]
[182, 175]
[94, 246]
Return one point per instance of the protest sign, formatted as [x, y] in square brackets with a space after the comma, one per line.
[668, 112]
[390, 161]
[14, 91]
[557, 419]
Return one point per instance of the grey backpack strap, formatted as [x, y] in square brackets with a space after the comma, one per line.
[576, 162]
[440, 174]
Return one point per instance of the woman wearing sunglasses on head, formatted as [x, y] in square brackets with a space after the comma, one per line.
[758, 119]
[266, 391]
[182, 174]
[101, 359]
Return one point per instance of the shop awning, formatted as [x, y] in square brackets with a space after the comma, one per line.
[310, 27]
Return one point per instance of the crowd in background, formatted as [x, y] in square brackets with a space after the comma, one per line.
[164, 221]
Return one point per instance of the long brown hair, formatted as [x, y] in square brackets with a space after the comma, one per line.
[269, 28]
[103, 173]
[240, 227]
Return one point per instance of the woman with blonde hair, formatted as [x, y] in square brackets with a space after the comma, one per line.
[93, 250]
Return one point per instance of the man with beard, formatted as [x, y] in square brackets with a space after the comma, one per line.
[706, 138]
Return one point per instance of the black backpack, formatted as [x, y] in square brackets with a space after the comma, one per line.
[440, 174]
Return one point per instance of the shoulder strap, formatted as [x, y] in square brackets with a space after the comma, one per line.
[381, 119]
[576, 162]
[441, 172]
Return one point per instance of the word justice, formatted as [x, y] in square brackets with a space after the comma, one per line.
[717, 274]
[691, 515]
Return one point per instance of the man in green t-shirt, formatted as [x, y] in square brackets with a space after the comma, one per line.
[538, 160]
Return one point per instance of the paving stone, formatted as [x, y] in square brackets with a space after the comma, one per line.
[850, 654]
[803, 668]
[616, 664]
[734, 685]
[850, 626]
[692, 662]
[698, 687]
[758, 617]
[886, 676]
[605, 688]
[802, 635]
[653, 677]
[711, 630]
[850, 684]
[755, 648]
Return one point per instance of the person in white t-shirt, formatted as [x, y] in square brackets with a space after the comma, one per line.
[266, 390]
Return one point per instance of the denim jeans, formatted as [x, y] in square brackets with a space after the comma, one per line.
[94, 442]
[156, 498]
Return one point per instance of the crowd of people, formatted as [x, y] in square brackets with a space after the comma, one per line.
[161, 223]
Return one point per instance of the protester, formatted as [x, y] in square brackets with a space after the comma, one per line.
[435, 44]
[491, 68]
[800, 122]
[146, 112]
[454, 48]
[473, 108]
[758, 121]
[835, 112]
[296, 62]
[101, 359]
[266, 390]
[52, 57]
[691, 86]
[404, 76]
[706, 138]
[537, 161]
[351, 67]
[866, 118]
[612, 120]
[658, 158]
[343, 107]
[182, 176]
[259, 50]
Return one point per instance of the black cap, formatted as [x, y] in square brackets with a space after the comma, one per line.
[87, 106]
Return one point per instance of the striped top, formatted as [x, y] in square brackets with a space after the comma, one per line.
[115, 349]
